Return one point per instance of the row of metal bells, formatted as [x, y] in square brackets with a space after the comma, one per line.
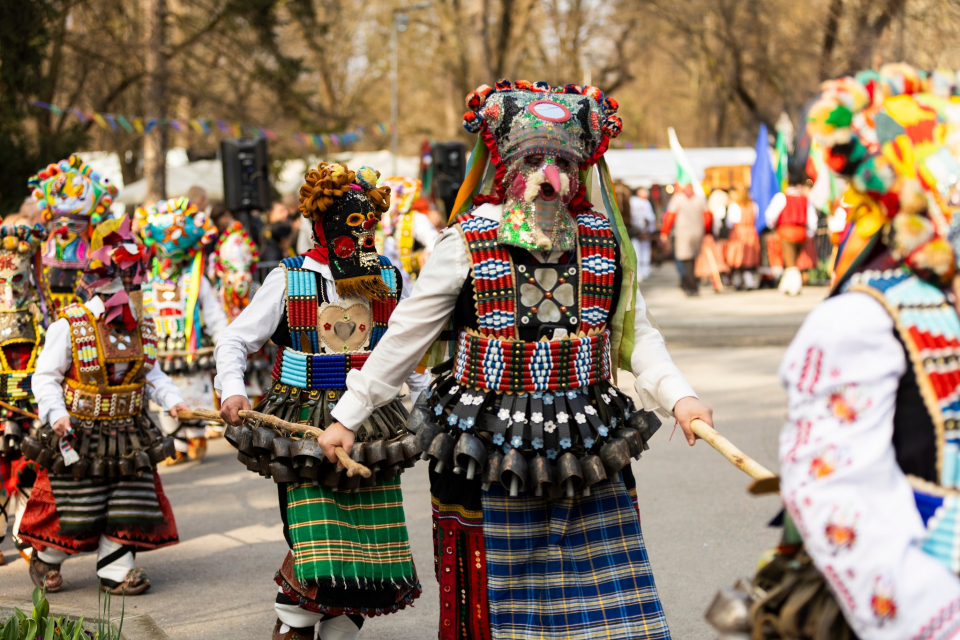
[44, 450]
[469, 455]
[301, 461]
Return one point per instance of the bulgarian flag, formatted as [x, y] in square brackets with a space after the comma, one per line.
[685, 172]
[783, 161]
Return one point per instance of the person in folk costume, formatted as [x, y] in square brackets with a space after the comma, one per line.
[187, 311]
[72, 198]
[326, 310]
[21, 333]
[235, 260]
[794, 217]
[743, 246]
[410, 233]
[526, 433]
[869, 456]
[97, 489]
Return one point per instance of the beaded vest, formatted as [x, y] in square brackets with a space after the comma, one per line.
[110, 364]
[928, 326]
[333, 338]
[165, 302]
[406, 242]
[17, 327]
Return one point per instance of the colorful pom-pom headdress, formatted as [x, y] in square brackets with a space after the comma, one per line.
[345, 207]
[18, 245]
[72, 188]
[235, 260]
[115, 272]
[893, 134]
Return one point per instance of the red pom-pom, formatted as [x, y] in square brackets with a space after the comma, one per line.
[593, 92]
[612, 126]
[610, 106]
[474, 101]
[573, 88]
[504, 85]
[523, 85]
[541, 86]
[472, 122]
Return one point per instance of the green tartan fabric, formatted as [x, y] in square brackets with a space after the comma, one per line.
[350, 539]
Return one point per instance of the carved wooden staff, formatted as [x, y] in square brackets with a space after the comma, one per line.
[352, 466]
[764, 480]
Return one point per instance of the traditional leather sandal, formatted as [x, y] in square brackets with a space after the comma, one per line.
[46, 576]
[293, 633]
[134, 584]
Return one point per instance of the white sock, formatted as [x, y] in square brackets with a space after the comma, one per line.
[118, 569]
[52, 556]
[339, 628]
[293, 616]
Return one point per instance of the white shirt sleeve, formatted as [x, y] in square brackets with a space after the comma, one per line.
[734, 214]
[659, 381]
[52, 365]
[812, 219]
[247, 334]
[772, 215]
[162, 390]
[840, 480]
[424, 232]
[414, 325]
[214, 317]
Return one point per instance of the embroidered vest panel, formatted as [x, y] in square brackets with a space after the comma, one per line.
[928, 326]
[166, 302]
[18, 329]
[92, 388]
[333, 338]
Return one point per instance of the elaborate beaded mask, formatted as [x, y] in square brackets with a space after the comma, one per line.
[236, 259]
[115, 272]
[536, 212]
[176, 231]
[17, 248]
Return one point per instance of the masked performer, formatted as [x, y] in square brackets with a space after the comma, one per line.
[72, 197]
[235, 260]
[869, 453]
[187, 311]
[326, 311]
[536, 532]
[410, 234]
[97, 489]
[21, 332]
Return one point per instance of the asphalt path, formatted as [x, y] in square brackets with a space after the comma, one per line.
[702, 530]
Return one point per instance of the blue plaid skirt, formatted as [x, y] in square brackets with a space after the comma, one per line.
[567, 569]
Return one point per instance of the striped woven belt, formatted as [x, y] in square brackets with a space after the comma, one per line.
[315, 371]
[15, 386]
[91, 404]
[517, 367]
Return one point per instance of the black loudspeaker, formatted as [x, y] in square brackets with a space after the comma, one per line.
[449, 170]
[246, 176]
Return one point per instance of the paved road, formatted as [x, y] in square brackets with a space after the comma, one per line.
[702, 529]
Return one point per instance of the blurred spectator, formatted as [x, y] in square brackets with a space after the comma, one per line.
[793, 216]
[437, 219]
[278, 213]
[643, 226]
[687, 211]
[221, 216]
[198, 197]
[743, 247]
[277, 242]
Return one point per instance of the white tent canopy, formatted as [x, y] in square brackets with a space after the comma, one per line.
[202, 173]
[645, 167]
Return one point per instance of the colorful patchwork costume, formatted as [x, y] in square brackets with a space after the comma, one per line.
[187, 311]
[98, 488]
[870, 452]
[536, 529]
[21, 332]
[327, 311]
[408, 233]
[73, 197]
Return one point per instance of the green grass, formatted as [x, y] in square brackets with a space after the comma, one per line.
[40, 625]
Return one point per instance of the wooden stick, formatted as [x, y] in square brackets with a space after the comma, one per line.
[200, 413]
[353, 468]
[729, 451]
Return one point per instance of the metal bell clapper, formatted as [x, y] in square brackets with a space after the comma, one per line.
[593, 472]
[441, 450]
[491, 472]
[569, 474]
[615, 454]
[425, 436]
[469, 453]
[513, 472]
[541, 473]
[12, 433]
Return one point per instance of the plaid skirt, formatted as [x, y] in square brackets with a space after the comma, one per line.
[573, 569]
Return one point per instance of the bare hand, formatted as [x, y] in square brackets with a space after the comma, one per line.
[62, 426]
[336, 435]
[686, 411]
[177, 408]
[231, 407]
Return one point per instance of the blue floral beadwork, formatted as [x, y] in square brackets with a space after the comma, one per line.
[565, 443]
[552, 454]
[498, 439]
[517, 442]
[537, 443]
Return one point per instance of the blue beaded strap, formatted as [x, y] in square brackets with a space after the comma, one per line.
[313, 371]
[302, 303]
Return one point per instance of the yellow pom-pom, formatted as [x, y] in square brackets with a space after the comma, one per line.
[10, 243]
[23, 247]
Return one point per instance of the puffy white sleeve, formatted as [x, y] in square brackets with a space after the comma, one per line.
[659, 381]
[52, 365]
[413, 327]
[214, 317]
[774, 209]
[424, 231]
[162, 390]
[247, 334]
[840, 480]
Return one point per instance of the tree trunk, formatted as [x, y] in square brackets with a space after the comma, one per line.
[154, 99]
